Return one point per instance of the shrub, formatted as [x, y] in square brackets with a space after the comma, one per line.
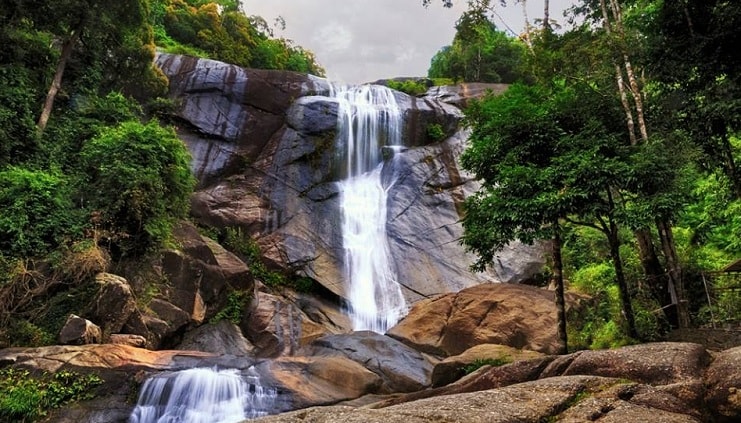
[26, 399]
[37, 213]
[234, 309]
[435, 132]
[139, 180]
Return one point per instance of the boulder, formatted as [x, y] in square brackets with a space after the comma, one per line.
[79, 331]
[401, 368]
[276, 326]
[723, 381]
[518, 316]
[199, 276]
[660, 363]
[113, 304]
[315, 381]
[453, 368]
[223, 337]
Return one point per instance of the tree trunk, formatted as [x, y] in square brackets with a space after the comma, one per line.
[614, 240]
[546, 15]
[730, 166]
[626, 305]
[676, 281]
[656, 278]
[528, 40]
[560, 301]
[56, 83]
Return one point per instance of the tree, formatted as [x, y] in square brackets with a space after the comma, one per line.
[92, 36]
[479, 52]
[138, 183]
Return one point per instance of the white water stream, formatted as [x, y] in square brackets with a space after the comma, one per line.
[202, 395]
[368, 119]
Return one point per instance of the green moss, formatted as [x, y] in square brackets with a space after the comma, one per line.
[234, 310]
[481, 362]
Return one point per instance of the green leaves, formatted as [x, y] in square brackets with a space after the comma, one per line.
[139, 180]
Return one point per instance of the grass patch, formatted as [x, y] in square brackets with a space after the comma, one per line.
[481, 362]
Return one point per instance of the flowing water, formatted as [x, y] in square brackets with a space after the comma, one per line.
[368, 119]
[202, 395]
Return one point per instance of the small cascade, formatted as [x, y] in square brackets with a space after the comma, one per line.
[202, 395]
[368, 119]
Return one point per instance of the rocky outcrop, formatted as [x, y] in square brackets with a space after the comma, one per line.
[79, 331]
[453, 368]
[113, 304]
[570, 398]
[264, 150]
[460, 95]
[723, 381]
[519, 316]
[401, 368]
[223, 337]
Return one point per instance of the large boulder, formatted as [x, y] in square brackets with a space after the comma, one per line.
[277, 326]
[312, 381]
[401, 368]
[660, 363]
[223, 337]
[265, 151]
[113, 304]
[519, 316]
[79, 331]
[723, 381]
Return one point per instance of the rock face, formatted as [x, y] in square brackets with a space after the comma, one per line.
[519, 316]
[723, 381]
[264, 150]
[452, 368]
[401, 368]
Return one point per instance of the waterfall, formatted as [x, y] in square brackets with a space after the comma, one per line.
[202, 395]
[368, 119]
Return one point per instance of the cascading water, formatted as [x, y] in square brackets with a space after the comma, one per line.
[202, 395]
[368, 119]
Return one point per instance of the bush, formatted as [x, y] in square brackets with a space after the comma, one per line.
[37, 213]
[138, 179]
[26, 399]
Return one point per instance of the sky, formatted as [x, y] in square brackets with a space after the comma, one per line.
[365, 40]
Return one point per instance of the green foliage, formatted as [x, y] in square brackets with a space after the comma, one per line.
[479, 53]
[22, 333]
[435, 132]
[234, 310]
[412, 87]
[219, 30]
[481, 362]
[24, 398]
[38, 214]
[139, 181]
[248, 250]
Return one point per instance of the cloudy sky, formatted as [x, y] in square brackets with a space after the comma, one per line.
[365, 40]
